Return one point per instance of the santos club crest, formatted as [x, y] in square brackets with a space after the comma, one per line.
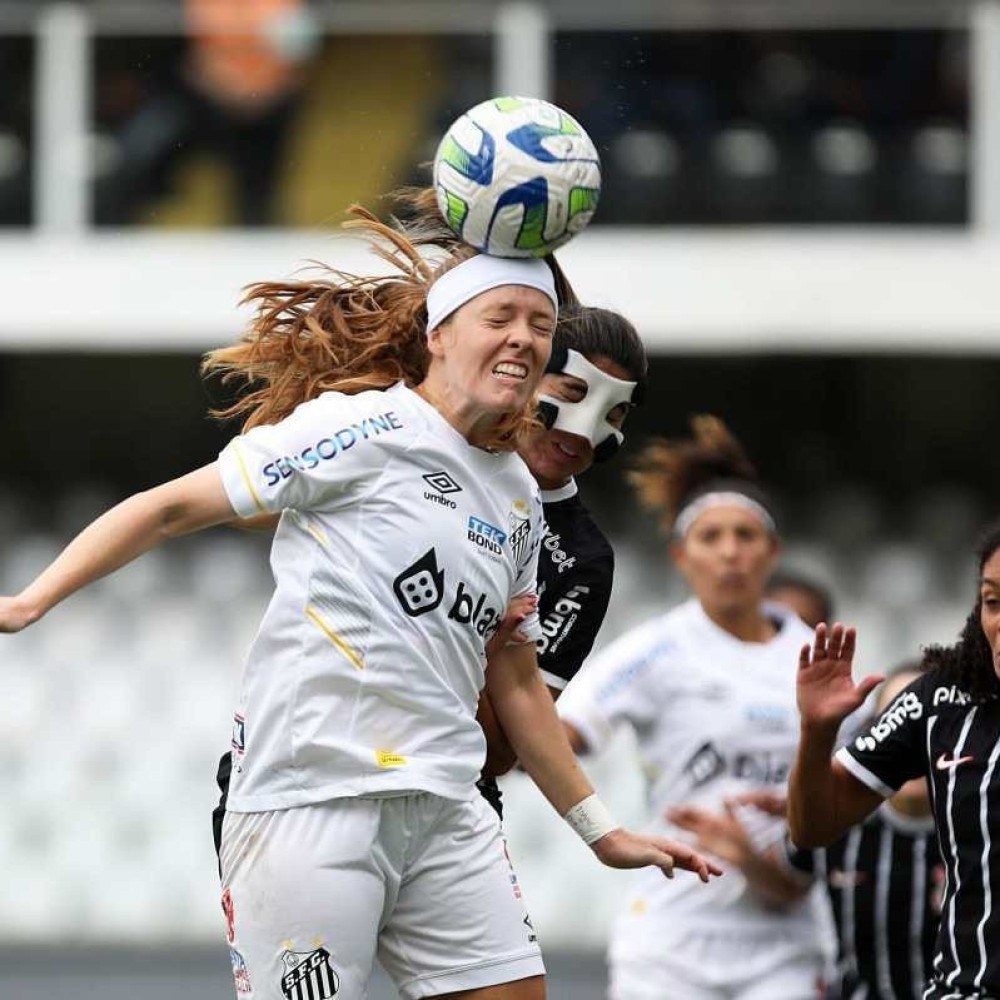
[519, 522]
[308, 975]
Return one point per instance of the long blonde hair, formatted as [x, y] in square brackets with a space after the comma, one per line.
[347, 333]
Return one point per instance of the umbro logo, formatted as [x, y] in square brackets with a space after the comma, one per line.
[946, 763]
[442, 484]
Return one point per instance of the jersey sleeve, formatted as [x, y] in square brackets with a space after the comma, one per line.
[617, 686]
[526, 560]
[320, 456]
[891, 750]
[573, 619]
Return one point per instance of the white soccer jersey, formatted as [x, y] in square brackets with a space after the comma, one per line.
[713, 716]
[399, 547]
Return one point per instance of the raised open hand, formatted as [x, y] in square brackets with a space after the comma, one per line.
[825, 689]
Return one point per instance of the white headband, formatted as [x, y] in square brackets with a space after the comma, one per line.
[706, 501]
[480, 274]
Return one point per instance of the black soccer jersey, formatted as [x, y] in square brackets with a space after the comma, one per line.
[884, 881]
[576, 565]
[935, 729]
[575, 568]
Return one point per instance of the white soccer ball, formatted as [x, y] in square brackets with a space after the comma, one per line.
[517, 177]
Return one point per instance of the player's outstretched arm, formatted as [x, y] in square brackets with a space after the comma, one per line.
[141, 522]
[824, 798]
[527, 714]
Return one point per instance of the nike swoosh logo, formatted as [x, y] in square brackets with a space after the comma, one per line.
[946, 763]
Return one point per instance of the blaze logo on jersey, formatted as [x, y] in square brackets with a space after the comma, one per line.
[308, 975]
[519, 521]
[420, 587]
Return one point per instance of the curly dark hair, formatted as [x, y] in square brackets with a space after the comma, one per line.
[968, 664]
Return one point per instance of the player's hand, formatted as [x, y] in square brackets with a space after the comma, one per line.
[721, 834]
[772, 803]
[14, 615]
[517, 612]
[623, 849]
[825, 688]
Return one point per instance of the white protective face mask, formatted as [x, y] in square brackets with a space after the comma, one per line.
[588, 418]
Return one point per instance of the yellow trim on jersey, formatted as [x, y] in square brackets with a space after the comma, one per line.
[317, 619]
[385, 758]
[247, 481]
[318, 534]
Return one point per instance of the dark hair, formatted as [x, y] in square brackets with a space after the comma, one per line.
[598, 332]
[969, 663]
[798, 581]
[669, 474]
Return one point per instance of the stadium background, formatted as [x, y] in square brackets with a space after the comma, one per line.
[801, 214]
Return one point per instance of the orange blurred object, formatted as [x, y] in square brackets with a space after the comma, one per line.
[236, 57]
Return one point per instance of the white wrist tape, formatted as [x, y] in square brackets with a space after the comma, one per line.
[590, 819]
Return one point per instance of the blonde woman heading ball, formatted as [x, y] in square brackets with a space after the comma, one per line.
[382, 414]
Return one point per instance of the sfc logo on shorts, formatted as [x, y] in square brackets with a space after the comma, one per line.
[308, 975]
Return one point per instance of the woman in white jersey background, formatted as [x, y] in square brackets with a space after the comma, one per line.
[381, 418]
[709, 691]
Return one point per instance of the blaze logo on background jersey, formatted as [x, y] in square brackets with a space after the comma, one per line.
[905, 708]
[705, 764]
[443, 484]
[762, 768]
[420, 587]
[308, 975]
[519, 522]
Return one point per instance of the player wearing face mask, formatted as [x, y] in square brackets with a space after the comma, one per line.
[596, 374]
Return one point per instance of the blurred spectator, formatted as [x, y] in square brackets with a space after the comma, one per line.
[810, 600]
[234, 94]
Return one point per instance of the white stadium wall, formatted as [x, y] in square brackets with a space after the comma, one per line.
[688, 291]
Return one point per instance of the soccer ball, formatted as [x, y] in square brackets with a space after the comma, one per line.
[516, 177]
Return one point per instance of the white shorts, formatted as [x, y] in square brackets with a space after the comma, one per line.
[723, 966]
[311, 893]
